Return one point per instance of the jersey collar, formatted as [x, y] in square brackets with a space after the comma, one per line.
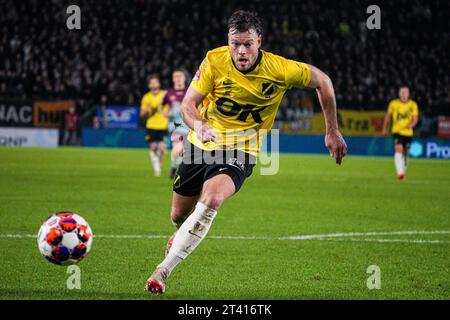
[253, 67]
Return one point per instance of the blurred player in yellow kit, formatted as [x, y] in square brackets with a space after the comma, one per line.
[239, 87]
[405, 115]
[157, 122]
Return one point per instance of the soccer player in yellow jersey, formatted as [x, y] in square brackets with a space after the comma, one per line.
[240, 88]
[405, 115]
[157, 123]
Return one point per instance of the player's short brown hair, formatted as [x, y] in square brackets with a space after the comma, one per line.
[242, 21]
[179, 70]
[153, 76]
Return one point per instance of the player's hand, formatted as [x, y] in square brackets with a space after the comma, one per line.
[161, 110]
[205, 133]
[384, 132]
[336, 145]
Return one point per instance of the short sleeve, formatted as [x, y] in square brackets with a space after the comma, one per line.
[166, 98]
[143, 102]
[390, 108]
[203, 81]
[163, 100]
[297, 74]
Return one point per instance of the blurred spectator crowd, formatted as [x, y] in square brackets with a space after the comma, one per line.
[121, 42]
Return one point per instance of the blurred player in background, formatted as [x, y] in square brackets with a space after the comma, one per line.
[178, 130]
[405, 115]
[157, 122]
[239, 87]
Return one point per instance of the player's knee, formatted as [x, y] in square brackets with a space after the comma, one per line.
[399, 148]
[179, 214]
[213, 199]
[178, 217]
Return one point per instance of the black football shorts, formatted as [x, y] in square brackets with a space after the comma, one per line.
[200, 165]
[405, 141]
[155, 135]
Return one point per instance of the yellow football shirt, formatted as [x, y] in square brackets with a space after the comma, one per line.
[156, 120]
[402, 114]
[241, 107]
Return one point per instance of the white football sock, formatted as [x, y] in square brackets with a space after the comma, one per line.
[399, 163]
[160, 154]
[405, 163]
[190, 234]
[154, 158]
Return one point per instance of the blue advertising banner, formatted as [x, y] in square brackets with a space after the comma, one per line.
[292, 143]
[118, 116]
[430, 148]
[366, 146]
[120, 138]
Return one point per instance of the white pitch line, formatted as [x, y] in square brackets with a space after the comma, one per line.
[18, 236]
[349, 236]
[382, 240]
[364, 234]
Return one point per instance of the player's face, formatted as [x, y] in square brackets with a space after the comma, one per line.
[179, 79]
[244, 48]
[154, 84]
[404, 94]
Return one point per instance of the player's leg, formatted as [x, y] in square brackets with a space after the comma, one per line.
[182, 207]
[66, 137]
[154, 158]
[72, 137]
[176, 157]
[161, 150]
[215, 191]
[399, 161]
[405, 155]
[150, 139]
[194, 229]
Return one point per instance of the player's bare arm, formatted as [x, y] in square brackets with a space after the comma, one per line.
[413, 122]
[145, 111]
[333, 138]
[191, 115]
[386, 123]
[161, 110]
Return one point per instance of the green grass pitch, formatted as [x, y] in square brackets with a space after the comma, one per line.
[114, 189]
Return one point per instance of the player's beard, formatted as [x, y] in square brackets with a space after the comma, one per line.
[245, 63]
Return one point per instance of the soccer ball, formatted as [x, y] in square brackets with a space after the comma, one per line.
[65, 238]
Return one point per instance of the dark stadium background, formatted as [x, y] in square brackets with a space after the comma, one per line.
[121, 42]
